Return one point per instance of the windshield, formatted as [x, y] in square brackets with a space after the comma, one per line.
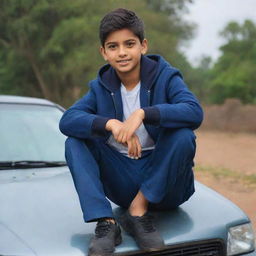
[31, 133]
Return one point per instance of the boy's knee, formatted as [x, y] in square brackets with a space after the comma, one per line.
[81, 147]
[185, 135]
[71, 142]
[186, 139]
[182, 136]
[181, 139]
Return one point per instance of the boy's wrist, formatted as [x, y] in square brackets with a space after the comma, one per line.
[110, 124]
[141, 113]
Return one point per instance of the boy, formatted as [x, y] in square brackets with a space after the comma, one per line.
[130, 137]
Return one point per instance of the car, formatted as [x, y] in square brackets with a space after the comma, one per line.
[40, 213]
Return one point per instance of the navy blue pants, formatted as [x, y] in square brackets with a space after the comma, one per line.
[164, 175]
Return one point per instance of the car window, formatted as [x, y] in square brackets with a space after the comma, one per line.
[31, 133]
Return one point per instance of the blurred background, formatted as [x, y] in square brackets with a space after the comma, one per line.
[49, 49]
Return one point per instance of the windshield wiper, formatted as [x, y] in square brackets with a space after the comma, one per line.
[30, 164]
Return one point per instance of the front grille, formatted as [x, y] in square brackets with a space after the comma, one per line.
[202, 248]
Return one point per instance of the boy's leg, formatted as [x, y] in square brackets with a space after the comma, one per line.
[169, 180]
[82, 162]
[99, 171]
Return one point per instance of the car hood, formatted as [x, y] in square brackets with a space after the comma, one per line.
[40, 215]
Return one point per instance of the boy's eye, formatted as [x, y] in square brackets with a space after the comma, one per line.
[130, 44]
[112, 46]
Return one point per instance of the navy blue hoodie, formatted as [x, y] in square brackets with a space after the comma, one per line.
[164, 96]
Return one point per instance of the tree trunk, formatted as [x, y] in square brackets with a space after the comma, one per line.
[43, 87]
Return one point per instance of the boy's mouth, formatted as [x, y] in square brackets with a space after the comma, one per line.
[123, 61]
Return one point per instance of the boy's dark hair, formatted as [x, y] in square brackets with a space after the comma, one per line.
[119, 19]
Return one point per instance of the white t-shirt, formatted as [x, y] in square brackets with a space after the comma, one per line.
[131, 102]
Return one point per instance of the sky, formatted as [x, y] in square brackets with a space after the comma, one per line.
[211, 16]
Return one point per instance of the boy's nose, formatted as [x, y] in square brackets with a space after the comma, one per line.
[122, 51]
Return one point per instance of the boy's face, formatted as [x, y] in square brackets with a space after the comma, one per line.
[122, 50]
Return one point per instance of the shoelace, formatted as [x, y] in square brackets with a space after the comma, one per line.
[147, 223]
[102, 228]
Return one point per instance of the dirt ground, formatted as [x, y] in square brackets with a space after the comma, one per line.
[235, 152]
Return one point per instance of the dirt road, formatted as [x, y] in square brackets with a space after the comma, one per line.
[235, 152]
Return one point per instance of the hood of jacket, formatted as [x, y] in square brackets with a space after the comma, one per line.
[151, 68]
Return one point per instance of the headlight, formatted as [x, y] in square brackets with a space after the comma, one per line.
[240, 239]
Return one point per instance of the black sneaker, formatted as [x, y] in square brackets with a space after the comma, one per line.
[107, 236]
[143, 231]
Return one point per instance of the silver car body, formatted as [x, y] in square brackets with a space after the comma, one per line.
[40, 213]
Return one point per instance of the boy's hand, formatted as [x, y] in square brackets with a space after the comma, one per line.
[114, 126]
[134, 147]
[130, 125]
[133, 144]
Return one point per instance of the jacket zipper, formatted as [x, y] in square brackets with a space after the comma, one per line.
[112, 95]
[149, 97]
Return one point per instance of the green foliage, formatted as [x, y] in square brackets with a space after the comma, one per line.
[199, 77]
[234, 76]
[55, 43]
[49, 48]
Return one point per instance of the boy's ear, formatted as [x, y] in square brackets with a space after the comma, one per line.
[144, 45]
[103, 53]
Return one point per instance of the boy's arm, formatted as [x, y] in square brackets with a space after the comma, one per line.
[182, 111]
[81, 120]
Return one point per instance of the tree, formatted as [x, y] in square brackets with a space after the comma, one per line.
[200, 77]
[50, 40]
[50, 49]
[234, 73]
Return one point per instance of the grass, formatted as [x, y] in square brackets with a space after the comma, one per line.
[218, 172]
